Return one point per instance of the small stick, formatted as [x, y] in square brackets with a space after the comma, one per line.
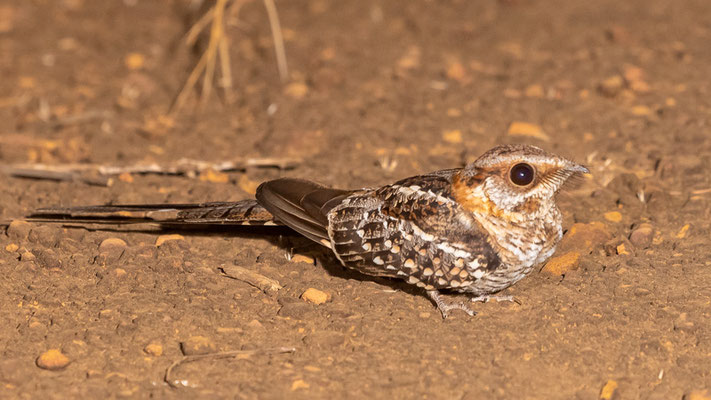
[225, 354]
[701, 191]
[58, 175]
[183, 167]
[259, 281]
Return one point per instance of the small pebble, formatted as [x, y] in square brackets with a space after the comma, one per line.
[47, 258]
[134, 61]
[45, 235]
[613, 216]
[165, 238]
[154, 349]
[535, 91]
[210, 175]
[52, 360]
[642, 236]
[197, 345]
[315, 296]
[296, 90]
[18, 230]
[302, 258]
[27, 256]
[12, 247]
[527, 129]
[641, 111]
[297, 311]
[560, 265]
[621, 250]
[299, 384]
[682, 232]
[611, 86]
[453, 136]
[255, 324]
[608, 391]
[112, 243]
[457, 72]
[584, 238]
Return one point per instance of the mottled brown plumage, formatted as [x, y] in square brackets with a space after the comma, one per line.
[475, 230]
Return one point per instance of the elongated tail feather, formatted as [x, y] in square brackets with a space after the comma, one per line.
[245, 212]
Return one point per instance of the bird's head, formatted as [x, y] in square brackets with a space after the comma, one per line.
[515, 179]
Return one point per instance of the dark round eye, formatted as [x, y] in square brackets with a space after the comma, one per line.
[522, 174]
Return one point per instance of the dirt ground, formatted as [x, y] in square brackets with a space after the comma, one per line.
[377, 91]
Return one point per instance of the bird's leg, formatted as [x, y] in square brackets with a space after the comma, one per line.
[486, 297]
[444, 307]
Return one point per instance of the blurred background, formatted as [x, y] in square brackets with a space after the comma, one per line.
[354, 94]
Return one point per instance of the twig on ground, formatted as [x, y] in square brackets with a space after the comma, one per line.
[94, 174]
[31, 172]
[259, 281]
[226, 354]
[701, 191]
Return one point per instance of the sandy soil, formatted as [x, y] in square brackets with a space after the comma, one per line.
[378, 90]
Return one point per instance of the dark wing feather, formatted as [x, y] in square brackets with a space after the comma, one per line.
[245, 212]
[301, 205]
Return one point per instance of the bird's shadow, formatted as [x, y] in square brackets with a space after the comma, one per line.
[279, 236]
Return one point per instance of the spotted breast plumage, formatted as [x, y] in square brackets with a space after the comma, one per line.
[475, 230]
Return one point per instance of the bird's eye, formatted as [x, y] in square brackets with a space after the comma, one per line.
[522, 174]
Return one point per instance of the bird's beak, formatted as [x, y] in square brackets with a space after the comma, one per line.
[577, 168]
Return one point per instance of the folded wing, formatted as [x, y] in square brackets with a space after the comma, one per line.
[301, 205]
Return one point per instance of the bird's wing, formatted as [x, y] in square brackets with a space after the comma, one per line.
[413, 229]
[301, 205]
[245, 212]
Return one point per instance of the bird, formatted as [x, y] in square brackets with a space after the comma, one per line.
[474, 230]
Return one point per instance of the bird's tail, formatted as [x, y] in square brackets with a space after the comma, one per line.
[245, 212]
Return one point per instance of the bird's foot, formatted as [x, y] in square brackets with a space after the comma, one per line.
[445, 307]
[486, 297]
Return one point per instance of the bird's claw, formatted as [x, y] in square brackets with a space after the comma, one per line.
[445, 307]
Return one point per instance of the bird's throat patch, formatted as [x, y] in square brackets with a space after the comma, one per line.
[468, 192]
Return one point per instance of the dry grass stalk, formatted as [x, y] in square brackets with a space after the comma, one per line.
[218, 48]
